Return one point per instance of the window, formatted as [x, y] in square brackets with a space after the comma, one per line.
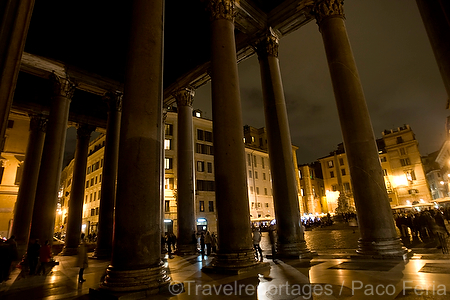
[385, 172]
[100, 179]
[90, 198]
[209, 167]
[202, 205]
[334, 187]
[383, 159]
[208, 136]
[343, 172]
[254, 161]
[200, 166]
[96, 178]
[168, 129]
[347, 187]
[256, 175]
[99, 194]
[211, 206]
[253, 205]
[302, 192]
[311, 174]
[92, 181]
[200, 135]
[168, 183]
[266, 204]
[92, 212]
[167, 144]
[399, 140]
[19, 173]
[205, 185]
[265, 191]
[85, 200]
[411, 175]
[264, 176]
[262, 162]
[330, 164]
[89, 170]
[167, 205]
[101, 162]
[249, 174]
[95, 196]
[341, 161]
[257, 190]
[402, 151]
[405, 162]
[249, 160]
[251, 190]
[204, 149]
[96, 211]
[168, 163]
[332, 174]
[300, 175]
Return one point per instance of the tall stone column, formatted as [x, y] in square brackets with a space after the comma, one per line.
[15, 19]
[44, 212]
[185, 172]
[233, 213]
[291, 242]
[136, 257]
[436, 18]
[378, 235]
[77, 193]
[23, 211]
[109, 176]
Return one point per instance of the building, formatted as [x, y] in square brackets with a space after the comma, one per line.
[312, 189]
[401, 164]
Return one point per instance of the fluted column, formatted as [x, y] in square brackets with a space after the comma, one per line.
[378, 235]
[109, 176]
[44, 211]
[185, 172]
[234, 233]
[136, 257]
[436, 18]
[15, 19]
[23, 211]
[291, 242]
[75, 216]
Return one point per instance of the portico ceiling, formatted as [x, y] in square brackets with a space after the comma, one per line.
[87, 40]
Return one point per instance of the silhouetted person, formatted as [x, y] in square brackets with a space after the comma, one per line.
[208, 243]
[45, 255]
[273, 239]
[8, 255]
[256, 241]
[202, 243]
[33, 255]
[82, 258]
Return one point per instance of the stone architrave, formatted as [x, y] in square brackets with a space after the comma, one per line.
[185, 173]
[109, 176]
[27, 190]
[74, 219]
[136, 257]
[378, 236]
[291, 242]
[44, 212]
[233, 213]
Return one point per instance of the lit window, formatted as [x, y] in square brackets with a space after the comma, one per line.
[167, 144]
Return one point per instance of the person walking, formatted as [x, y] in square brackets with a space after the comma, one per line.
[202, 243]
[33, 256]
[208, 243]
[273, 239]
[45, 255]
[82, 258]
[256, 241]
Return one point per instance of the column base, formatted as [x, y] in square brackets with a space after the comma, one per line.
[189, 249]
[151, 280]
[293, 250]
[69, 251]
[235, 263]
[391, 248]
[102, 253]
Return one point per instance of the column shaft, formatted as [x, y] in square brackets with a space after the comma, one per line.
[15, 19]
[378, 235]
[77, 193]
[234, 231]
[23, 211]
[285, 193]
[109, 176]
[136, 257]
[44, 212]
[185, 173]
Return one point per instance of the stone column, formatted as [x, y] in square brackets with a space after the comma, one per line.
[78, 187]
[44, 212]
[291, 242]
[15, 19]
[378, 235]
[136, 257]
[23, 211]
[185, 172]
[109, 176]
[233, 213]
[436, 18]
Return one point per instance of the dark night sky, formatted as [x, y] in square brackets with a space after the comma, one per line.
[398, 71]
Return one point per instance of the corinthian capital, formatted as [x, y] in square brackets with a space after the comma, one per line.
[38, 122]
[222, 9]
[113, 100]
[62, 86]
[184, 96]
[328, 8]
[84, 131]
[268, 46]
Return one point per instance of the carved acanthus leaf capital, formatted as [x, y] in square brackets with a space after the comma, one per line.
[84, 131]
[113, 100]
[184, 96]
[38, 122]
[328, 8]
[268, 46]
[63, 87]
[222, 9]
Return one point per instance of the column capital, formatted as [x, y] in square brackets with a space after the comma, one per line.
[184, 96]
[84, 130]
[328, 8]
[222, 9]
[38, 122]
[113, 100]
[62, 86]
[268, 45]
